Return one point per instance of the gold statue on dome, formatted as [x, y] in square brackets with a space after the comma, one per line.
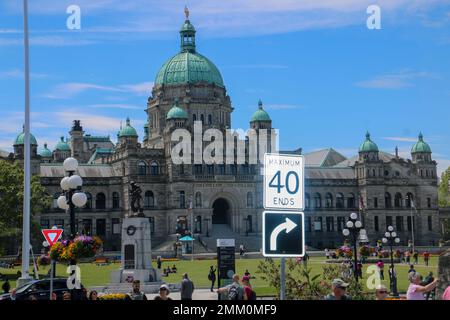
[186, 12]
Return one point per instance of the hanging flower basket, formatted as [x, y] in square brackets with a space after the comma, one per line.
[80, 247]
[43, 260]
[344, 252]
[365, 251]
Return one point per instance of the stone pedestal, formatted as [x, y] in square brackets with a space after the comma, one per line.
[443, 273]
[136, 250]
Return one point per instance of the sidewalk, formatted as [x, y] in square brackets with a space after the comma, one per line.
[199, 294]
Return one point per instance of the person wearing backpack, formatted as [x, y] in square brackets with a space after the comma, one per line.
[212, 277]
[248, 290]
[235, 291]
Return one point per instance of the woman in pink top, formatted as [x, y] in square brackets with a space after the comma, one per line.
[415, 290]
[446, 295]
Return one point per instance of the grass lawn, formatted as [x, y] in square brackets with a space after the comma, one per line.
[92, 275]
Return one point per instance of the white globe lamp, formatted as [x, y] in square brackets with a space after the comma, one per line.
[353, 215]
[65, 183]
[70, 164]
[79, 199]
[62, 202]
[75, 181]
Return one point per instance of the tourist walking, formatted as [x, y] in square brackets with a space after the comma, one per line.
[136, 293]
[248, 290]
[212, 277]
[327, 253]
[163, 293]
[158, 262]
[415, 290]
[411, 269]
[339, 290]
[407, 257]
[234, 290]
[380, 265]
[187, 288]
[426, 257]
[416, 257]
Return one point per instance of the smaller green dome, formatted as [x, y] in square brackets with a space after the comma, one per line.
[176, 112]
[260, 114]
[421, 146]
[62, 145]
[368, 145]
[128, 130]
[20, 139]
[46, 153]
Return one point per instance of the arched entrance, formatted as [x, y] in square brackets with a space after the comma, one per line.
[221, 210]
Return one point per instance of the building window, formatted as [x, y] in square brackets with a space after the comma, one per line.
[198, 200]
[221, 169]
[409, 201]
[307, 200]
[209, 119]
[202, 118]
[152, 225]
[340, 223]
[181, 169]
[45, 224]
[328, 200]
[376, 226]
[430, 223]
[100, 201]
[149, 199]
[87, 227]
[388, 221]
[245, 169]
[198, 224]
[249, 200]
[100, 227]
[375, 202]
[198, 169]
[387, 200]
[88, 204]
[233, 169]
[308, 224]
[182, 200]
[55, 200]
[142, 168]
[351, 201]
[116, 200]
[330, 224]
[317, 200]
[194, 117]
[210, 169]
[340, 201]
[154, 168]
[115, 225]
[398, 200]
[399, 223]
[318, 224]
[408, 223]
[59, 223]
[429, 202]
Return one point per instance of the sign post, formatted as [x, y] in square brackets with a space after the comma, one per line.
[51, 236]
[226, 266]
[283, 220]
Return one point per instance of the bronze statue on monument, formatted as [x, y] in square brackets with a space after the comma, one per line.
[136, 198]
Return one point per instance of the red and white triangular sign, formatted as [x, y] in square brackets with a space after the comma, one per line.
[52, 235]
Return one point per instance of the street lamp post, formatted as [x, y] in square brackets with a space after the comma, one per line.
[72, 196]
[391, 238]
[354, 227]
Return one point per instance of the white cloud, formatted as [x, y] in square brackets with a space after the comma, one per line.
[115, 106]
[19, 74]
[256, 66]
[282, 106]
[402, 79]
[400, 139]
[141, 89]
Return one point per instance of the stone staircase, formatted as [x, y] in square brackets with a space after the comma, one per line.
[223, 231]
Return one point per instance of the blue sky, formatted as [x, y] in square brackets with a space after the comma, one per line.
[322, 75]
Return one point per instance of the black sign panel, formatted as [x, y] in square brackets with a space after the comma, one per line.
[226, 266]
[283, 234]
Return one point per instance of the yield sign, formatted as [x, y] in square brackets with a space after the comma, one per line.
[52, 235]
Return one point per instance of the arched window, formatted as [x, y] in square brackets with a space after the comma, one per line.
[154, 168]
[340, 201]
[409, 200]
[328, 200]
[351, 201]
[142, 168]
[198, 224]
[317, 201]
[249, 200]
[149, 199]
[398, 200]
[387, 200]
[88, 204]
[100, 201]
[202, 118]
[198, 200]
[307, 200]
[194, 117]
[209, 119]
[116, 200]
[373, 172]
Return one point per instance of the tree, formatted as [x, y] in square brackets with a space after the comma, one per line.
[444, 192]
[11, 200]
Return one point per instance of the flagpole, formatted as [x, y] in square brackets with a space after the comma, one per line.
[412, 224]
[25, 277]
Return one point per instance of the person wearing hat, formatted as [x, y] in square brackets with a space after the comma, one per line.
[339, 288]
[163, 293]
[381, 292]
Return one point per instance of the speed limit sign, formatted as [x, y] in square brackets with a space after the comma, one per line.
[284, 176]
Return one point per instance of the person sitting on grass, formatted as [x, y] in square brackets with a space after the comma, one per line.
[174, 269]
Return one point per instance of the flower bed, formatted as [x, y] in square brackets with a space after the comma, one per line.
[114, 296]
[81, 247]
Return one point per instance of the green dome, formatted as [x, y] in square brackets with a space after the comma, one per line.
[176, 112]
[62, 145]
[188, 66]
[128, 130]
[368, 145]
[21, 138]
[421, 146]
[260, 114]
[46, 153]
